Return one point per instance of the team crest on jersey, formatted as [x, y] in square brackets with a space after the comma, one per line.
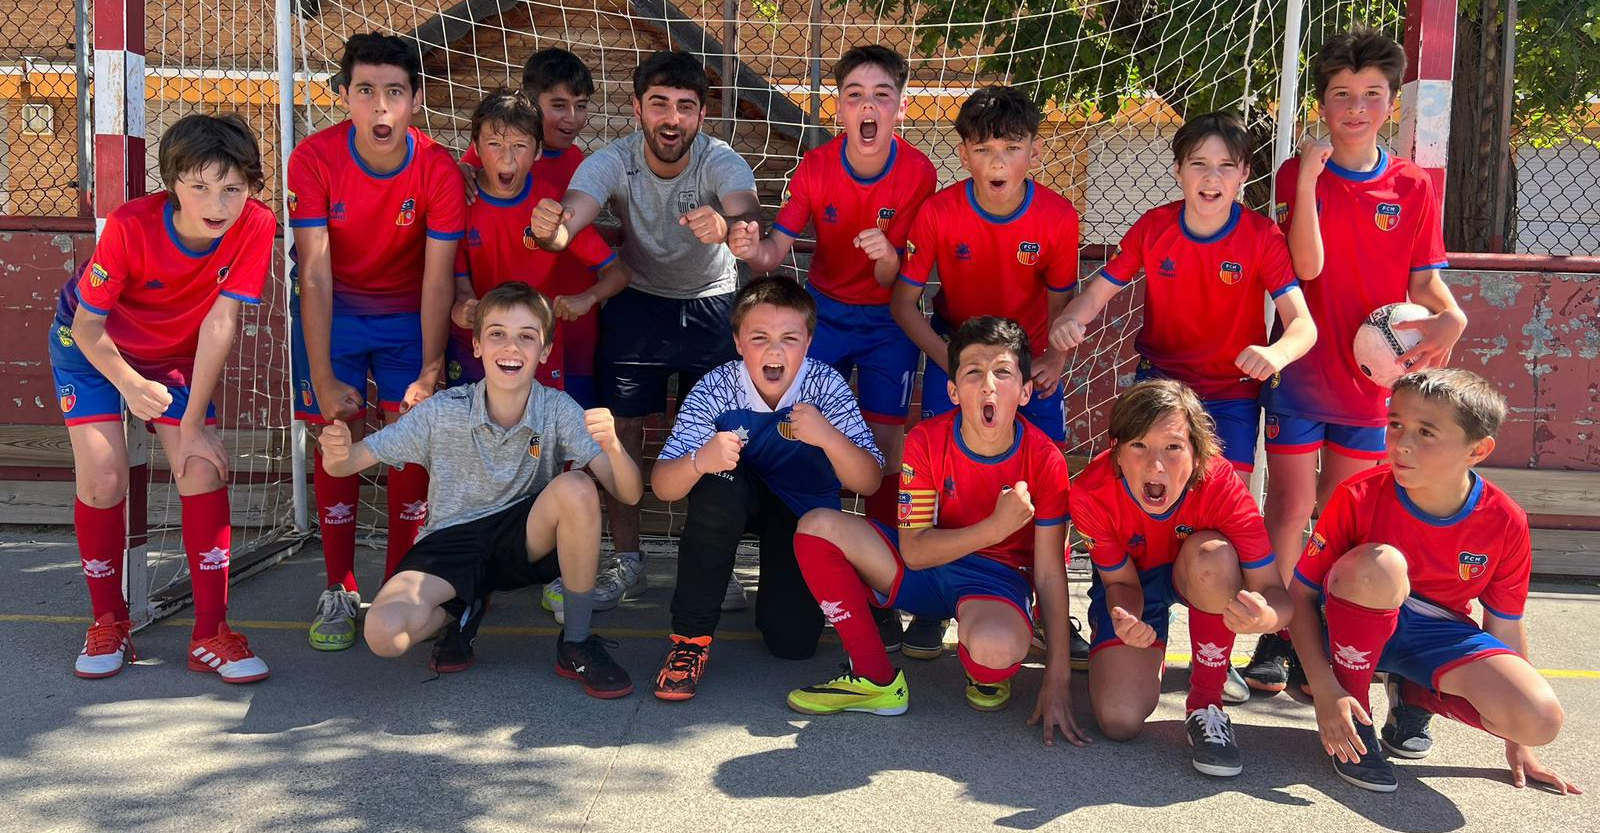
[1231, 273]
[222, 275]
[68, 396]
[534, 446]
[1319, 542]
[885, 217]
[293, 200]
[787, 194]
[907, 474]
[1281, 211]
[1027, 253]
[1272, 423]
[1472, 565]
[98, 276]
[527, 238]
[1387, 215]
[830, 214]
[408, 213]
[1183, 531]
[64, 335]
[688, 201]
[903, 510]
[306, 396]
[963, 251]
[911, 249]
[786, 427]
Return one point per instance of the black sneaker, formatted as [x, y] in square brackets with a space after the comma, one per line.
[1077, 646]
[889, 627]
[924, 639]
[1215, 750]
[453, 652]
[1373, 771]
[1269, 665]
[1405, 734]
[589, 663]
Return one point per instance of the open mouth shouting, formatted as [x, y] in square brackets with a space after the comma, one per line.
[214, 225]
[869, 132]
[511, 367]
[382, 133]
[772, 372]
[988, 411]
[1210, 196]
[506, 180]
[1153, 493]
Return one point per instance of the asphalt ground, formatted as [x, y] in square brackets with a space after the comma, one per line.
[351, 742]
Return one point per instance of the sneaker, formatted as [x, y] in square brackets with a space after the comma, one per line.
[988, 697]
[334, 626]
[588, 662]
[1234, 689]
[1077, 646]
[106, 648]
[1373, 771]
[1297, 674]
[551, 598]
[733, 600]
[1405, 734]
[228, 655]
[624, 579]
[924, 639]
[453, 652]
[1215, 750]
[1269, 665]
[686, 664]
[849, 693]
[889, 628]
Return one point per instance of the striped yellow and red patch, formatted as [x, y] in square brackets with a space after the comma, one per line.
[916, 508]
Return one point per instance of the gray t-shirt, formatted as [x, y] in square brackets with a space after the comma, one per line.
[475, 467]
[666, 258]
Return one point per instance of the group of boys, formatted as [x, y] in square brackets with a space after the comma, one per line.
[486, 278]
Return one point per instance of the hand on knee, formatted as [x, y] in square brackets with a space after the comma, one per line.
[1371, 575]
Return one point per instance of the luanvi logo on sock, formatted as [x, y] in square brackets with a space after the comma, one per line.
[414, 510]
[834, 612]
[98, 568]
[215, 558]
[1210, 654]
[1351, 658]
[339, 513]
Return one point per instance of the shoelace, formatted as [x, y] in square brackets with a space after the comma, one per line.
[1214, 725]
[848, 675]
[616, 579]
[230, 645]
[593, 650]
[105, 639]
[335, 604]
[686, 658]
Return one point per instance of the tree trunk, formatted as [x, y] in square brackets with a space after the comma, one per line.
[1478, 146]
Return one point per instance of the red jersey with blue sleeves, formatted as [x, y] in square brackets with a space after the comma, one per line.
[1202, 302]
[826, 193]
[378, 224]
[993, 265]
[499, 245]
[1121, 531]
[1378, 227]
[945, 485]
[155, 292]
[1481, 552]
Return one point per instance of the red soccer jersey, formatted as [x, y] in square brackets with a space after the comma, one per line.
[991, 265]
[1120, 530]
[1377, 228]
[499, 246]
[946, 486]
[155, 292]
[1481, 552]
[377, 223]
[1202, 301]
[826, 193]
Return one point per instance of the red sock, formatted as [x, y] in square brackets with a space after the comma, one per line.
[102, 545]
[1453, 706]
[983, 673]
[208, 541]
[1211, 645]
[845, 600]
[408, 510]
[883, 505]
[1356, 636]
[337, 498]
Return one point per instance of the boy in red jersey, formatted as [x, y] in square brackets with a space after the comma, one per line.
[982, 526]
[498, 246]
[376, 209]
[1374, 238]
[1206, 263]
[1394, 565]
[1169, 524]
[149, 323]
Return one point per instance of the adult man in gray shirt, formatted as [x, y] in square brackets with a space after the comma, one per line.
[675, 191]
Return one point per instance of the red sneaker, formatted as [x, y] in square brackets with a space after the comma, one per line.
[106, 649]
[228, 655]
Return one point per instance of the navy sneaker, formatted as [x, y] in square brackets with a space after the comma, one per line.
[1405, 734]
[889, 628]
[924, 639]
[1373, 771]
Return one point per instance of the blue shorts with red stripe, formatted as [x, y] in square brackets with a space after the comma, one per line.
[85, 395]
[386, 346]
[937, 592]
[1291, 434]
[1238, 421]
[865, 338]
[1425, 647]
[1160, 594]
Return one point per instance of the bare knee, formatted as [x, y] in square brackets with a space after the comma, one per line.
[1371, 575]
[575, 496]
[382, 631]
[1208, 568]
[1120, 721]
[1537, 722]
[104, 488]
[994, 646]
[199, 477]
[822, 523]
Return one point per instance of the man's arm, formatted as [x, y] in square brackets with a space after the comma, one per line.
[905, 306]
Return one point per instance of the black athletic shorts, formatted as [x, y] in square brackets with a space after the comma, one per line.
[485, 555]
[645, 339]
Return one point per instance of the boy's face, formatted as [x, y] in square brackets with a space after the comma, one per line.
[1356, 105]
[1210, 178]
[989, 387]
[210, 201]
[381, 103]
[999, 167]
[671, 120]
[773, 342]
[565, 113]
[1157, 465]
[511, 342]
[1426, 446]
[870, 107]
[508, 154]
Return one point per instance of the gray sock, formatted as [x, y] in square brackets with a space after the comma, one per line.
[577, 609]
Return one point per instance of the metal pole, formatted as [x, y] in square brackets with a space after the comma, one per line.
[286, 90]
[730, 72]
[814, 137]
[85, 119]
[1508, 88]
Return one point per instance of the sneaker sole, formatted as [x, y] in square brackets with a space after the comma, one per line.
[1356, 782]
[593, 692]
[674, 695]
[88, 675]
[233, 680]
[331, 646]
[885, 712]
[1080, 664]
[1408, 754]
[988, 707]
[1269, 687]
[1217, 770]
[454, 668]
[920, 651]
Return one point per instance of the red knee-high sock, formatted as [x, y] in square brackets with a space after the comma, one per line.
[208, 541]
[102, 544]
[336, 516]
[983, 673]
[883, 505]
[1356, 636]
[408, 509]
[845, 600]
[1210, 646]
[1453, 706]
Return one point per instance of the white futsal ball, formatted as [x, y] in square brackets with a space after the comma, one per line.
[1379, 346]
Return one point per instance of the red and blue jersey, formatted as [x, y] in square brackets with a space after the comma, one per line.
[1481, 552]
[378, 224]
[155, 292]
[1378, 227]
[945, 485]
[1202, 301]
[994, 265]
[826, 193]
[498, 245]
[1120, 531]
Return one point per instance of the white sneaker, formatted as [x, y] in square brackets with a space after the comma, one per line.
[105, 649]
[551, 599]
[1234, 689]
[734, 599]
[626, 578]
[228, 655]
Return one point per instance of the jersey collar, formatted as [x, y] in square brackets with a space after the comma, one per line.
[172, 234]
[508, 202]
[1016, 443]
[790, 396]
[1473, 496]
[1154, 517]
[551, 153]
[894, 148]
[411, 150]
[1027, 200]
[1362, 176]
[478, 410]
[1227, 228]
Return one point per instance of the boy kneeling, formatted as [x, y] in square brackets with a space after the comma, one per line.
[505, 512]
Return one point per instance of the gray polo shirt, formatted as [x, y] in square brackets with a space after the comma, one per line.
[666, 258]
[475, 467]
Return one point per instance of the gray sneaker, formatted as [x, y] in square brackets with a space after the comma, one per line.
[333, 628]
[1211, 735]
[1234, 689]
[624, 579]
[732, 600]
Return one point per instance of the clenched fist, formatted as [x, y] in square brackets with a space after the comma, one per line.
[875, 244]
[546, 219]
[1014, 508]
[1067, 333]
[602, 426]
[708, 226]
[147, 399]
[335, 442]
[810, 426]
[719, 454]
[743, 238]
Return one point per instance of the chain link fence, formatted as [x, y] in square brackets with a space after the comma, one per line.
[39, 101]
